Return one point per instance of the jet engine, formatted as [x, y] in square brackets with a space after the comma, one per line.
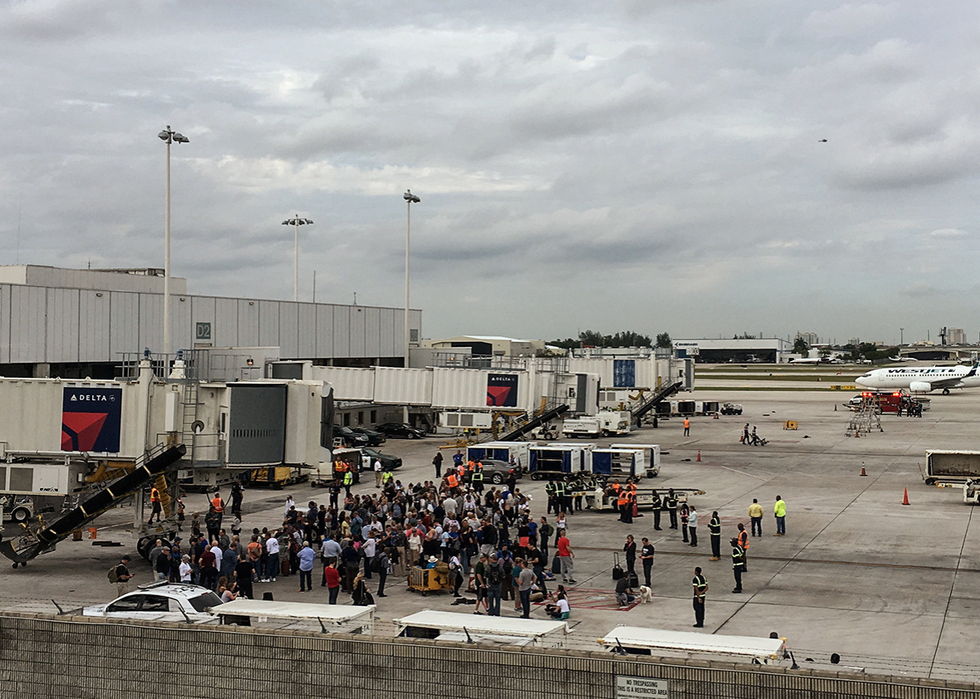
[920, 387]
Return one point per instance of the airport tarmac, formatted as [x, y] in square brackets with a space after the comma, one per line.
[891, 588]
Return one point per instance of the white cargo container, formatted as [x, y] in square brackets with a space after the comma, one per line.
[618, 463]
[502, 451]
[951, 466]
[558, 460]
[651, 454]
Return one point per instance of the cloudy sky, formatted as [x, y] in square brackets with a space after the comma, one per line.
[647, 165]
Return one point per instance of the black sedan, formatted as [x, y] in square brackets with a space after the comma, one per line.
[375, 438]
[388, 462]
[350, 437]
[401, 430]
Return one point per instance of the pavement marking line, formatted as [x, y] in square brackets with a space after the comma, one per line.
[857, 564]
[952, 585]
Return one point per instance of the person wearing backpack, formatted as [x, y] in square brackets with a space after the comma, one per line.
[120, 576]
[495, 579]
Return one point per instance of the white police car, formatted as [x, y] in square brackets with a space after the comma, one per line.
[161, 601]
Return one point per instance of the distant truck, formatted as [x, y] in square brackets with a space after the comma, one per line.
[602, 424]
[731, 409]
[950, 466]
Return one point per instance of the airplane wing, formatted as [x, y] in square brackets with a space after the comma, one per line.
[954, 381]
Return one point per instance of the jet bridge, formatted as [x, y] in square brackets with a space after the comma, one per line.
[32, 542]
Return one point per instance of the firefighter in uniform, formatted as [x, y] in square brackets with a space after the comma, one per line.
[671, 503]
[738, 563]
[714, 529]
[743, 542]
[700, 588]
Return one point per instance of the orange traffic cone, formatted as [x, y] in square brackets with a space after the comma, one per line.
[863, 472]
[905, 500]
[699, 456]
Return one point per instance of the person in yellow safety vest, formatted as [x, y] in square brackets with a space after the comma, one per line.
[743, 543]
[560, 496]
[476, 478]
[387, 478]
[348, 480]
[156, 503]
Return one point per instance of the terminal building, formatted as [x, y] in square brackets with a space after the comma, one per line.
[73, 323]
[768, 350]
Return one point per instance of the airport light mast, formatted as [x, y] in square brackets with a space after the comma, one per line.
[296, 222]
[168, 136]
[409, 200]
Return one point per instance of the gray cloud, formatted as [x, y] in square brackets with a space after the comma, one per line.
[581, 153]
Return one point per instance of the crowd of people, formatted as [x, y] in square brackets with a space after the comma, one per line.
[487, 538]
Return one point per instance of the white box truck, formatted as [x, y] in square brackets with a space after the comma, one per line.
[602, 424]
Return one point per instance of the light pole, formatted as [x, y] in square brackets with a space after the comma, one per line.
[168, 136]
[901, 335]
[296, 222]
[409, 200]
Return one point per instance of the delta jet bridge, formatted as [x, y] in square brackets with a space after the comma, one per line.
[511, 398]
[72, 450]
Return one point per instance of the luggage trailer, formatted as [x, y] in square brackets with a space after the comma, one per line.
[636, 640]
[490, 630]
[331, 617]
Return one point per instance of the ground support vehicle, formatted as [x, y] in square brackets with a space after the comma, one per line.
[731, 409]
[951, 466]
[426, 580]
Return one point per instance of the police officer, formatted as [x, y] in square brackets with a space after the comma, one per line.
[700, 584]
[560, 496]
[657, 504]
[738, 560]
[671, 502]
[476, 479]
[714, 529]
[549, 490]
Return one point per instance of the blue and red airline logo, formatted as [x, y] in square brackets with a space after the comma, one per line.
[91, 419]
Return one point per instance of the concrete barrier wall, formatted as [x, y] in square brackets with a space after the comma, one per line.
[48, 656]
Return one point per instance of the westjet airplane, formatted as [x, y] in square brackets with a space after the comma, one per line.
[922, 379]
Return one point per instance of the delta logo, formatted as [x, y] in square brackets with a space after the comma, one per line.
[91, 419]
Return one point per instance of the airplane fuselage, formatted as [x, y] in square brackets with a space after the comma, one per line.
[921, 379]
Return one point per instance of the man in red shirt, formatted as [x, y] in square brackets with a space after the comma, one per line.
[332, 576]
[565, 556]
[209, 568]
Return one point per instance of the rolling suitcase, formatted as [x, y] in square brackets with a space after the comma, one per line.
[634, 581]
[617, 570]
[556, 566]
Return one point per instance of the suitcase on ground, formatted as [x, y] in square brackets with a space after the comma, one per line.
[617, 569]
[634, 581]
[556, 566]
